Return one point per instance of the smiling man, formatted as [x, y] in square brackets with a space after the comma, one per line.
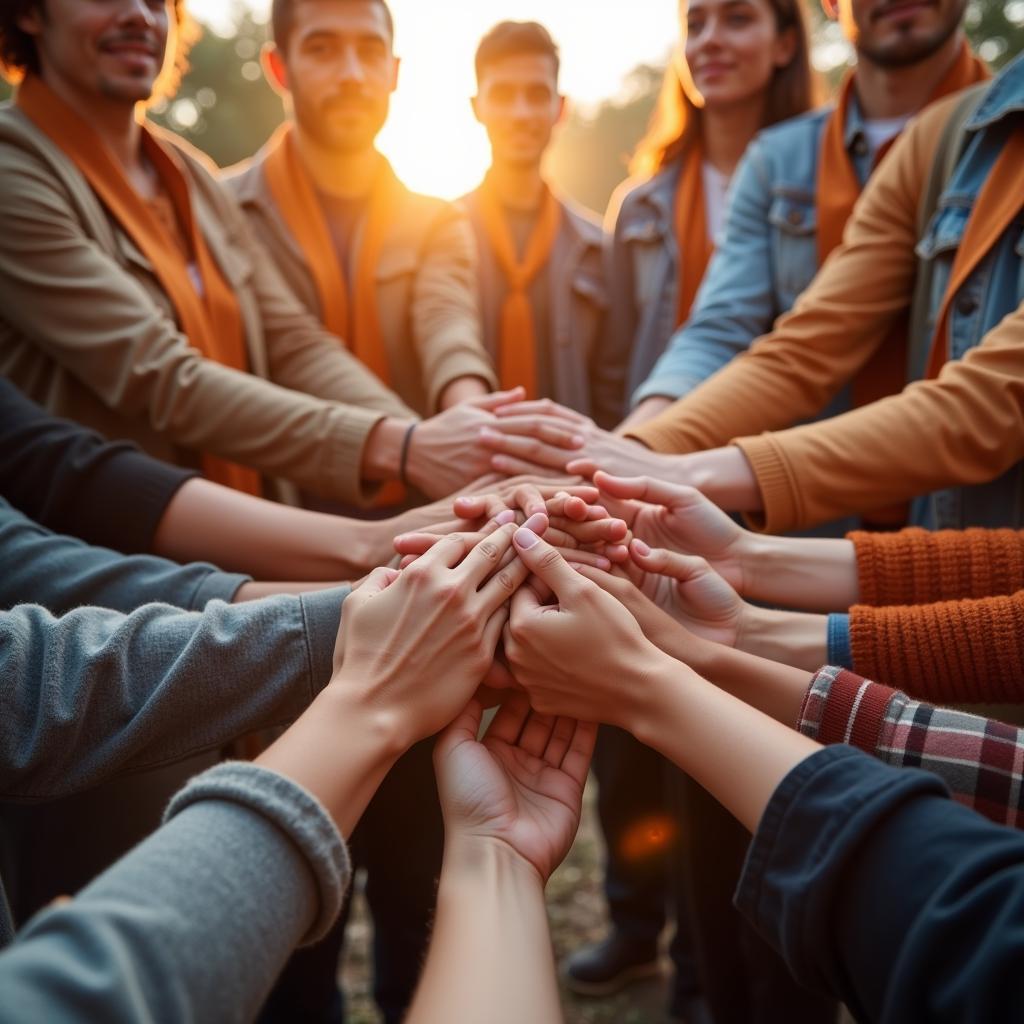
[541, 285]
[390, 271]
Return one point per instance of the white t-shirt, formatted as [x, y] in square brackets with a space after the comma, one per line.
[879, 132]
[716, 189]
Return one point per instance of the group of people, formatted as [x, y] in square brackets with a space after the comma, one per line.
[343, 527]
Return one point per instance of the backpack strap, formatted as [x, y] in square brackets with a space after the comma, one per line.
[947, 156]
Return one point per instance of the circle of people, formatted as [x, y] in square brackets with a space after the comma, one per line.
[346, 528]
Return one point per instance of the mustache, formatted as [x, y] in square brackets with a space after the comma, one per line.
[894, 5]
[134, 36]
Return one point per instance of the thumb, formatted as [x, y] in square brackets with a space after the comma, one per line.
[378, 580]
[498, 398]
[546, 564]
[683, 568]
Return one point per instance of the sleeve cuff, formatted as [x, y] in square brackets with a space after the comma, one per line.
[343, 456]
[322, 610]
[664, 386]
[774, 481]
[839, 650]
[454, 367]
[216, 586]
[295, 811]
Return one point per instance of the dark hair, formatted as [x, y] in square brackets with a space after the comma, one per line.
[512, 38]
[18, 55]
[281, 17]
[792, 90]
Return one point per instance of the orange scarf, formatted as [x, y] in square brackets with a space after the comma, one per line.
[517, 360]
[694, 245]
[212, 321]
[355, 321]
[998, 203]
[838, 190]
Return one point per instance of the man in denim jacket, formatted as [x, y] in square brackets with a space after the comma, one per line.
[769, 250]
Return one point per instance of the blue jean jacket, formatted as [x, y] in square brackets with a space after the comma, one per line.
[995, 289]
[766, 253]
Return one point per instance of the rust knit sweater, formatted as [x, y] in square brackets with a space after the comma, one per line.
[942, 613]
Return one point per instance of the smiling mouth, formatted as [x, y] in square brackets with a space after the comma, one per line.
[901, 9]
[131, 48]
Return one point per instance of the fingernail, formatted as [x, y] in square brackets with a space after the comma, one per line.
[525, 538]
[603, 563]
[641, 548]
[579, 440]
[503, 518]
[537, 523]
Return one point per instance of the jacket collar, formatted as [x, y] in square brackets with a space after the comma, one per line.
[1005, 96]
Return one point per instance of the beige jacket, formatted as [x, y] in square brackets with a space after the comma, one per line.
[86, 331]
[426, 298]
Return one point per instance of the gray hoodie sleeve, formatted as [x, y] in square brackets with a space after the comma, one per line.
[61, 573]
[197, 921]
[96, 692]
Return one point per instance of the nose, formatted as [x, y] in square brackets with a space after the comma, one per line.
[711, 32]
[521, 106]
[350, 67]
[138, 11]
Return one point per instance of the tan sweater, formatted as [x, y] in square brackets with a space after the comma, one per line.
[966, 426]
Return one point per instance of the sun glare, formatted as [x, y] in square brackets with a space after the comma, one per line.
[431, 137]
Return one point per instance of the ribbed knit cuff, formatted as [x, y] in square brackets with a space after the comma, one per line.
[839, 652]
[322, 611]
[454, 366]
[665, 385]
[295, 811]
[775, 482]
[217, 586]
[343, 455]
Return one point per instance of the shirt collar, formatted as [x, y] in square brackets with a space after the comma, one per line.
[1004, 96]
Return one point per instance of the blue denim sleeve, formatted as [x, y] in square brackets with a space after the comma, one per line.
[878, 888]
[197, 921]
[736, 302]
[839, 652]
[62, 573]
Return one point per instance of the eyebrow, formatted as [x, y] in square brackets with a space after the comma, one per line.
[330, 35]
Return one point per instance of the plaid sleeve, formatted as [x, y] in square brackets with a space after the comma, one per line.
[980, 759]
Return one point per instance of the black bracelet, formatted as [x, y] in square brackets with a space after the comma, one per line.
[403, 460]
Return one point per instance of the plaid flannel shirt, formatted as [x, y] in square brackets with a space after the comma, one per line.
[980, 759]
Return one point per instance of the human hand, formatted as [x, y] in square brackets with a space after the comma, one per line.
[584, 656]
[679, 518]
[519, 454]
[522, 785]
[445, 452]
[417, 643]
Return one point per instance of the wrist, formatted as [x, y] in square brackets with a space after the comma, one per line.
[384, 728]
[472, 857]
[652, 687]
[382, 454]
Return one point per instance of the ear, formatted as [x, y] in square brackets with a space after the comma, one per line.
[785, 48]
[563, 110]
[831, 9]
[274, 69]
[394, 72]
[474, 102]
[31, 22]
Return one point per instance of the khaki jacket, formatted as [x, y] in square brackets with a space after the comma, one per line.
[577, 327]
[426, 302]
[87, 332]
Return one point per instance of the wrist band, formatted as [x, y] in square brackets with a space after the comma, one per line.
[404, 458]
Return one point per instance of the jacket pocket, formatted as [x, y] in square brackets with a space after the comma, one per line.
[937, 250]
[793, 221]
[589, 306]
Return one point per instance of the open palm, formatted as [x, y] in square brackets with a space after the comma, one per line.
[522, 785]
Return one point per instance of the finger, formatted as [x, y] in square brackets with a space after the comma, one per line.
[525, 604]
[494, 628]
[547, 429]
[529, 449]
[528, 498]
[543, 407]
[621, 589]
[485, 558]
[558, 744]
[588, 558]
[451, 549]
[585, 468]
[511, 466]
[568, 506]
[617, 553]
[508, 722]
[421, 543]
[546, 563]
[503, 584]
[669, 563]
[576, 762]
[643, 488]
[593, 531]
[536, 733]
[498, 399]
[479, 506]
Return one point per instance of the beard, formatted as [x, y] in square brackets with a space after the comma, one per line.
[906, 49]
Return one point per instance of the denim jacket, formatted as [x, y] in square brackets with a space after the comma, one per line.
[766, 253]
[995, 289]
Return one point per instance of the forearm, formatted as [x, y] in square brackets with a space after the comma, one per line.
[813, 574]
[646, 410]
[207, 522]
[735, 752]
[792, 638]
[461, 390]
[490, 957]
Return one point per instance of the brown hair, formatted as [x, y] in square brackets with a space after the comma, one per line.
[281, 17]
[792, 90]
[18, 55]
[512, 38]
